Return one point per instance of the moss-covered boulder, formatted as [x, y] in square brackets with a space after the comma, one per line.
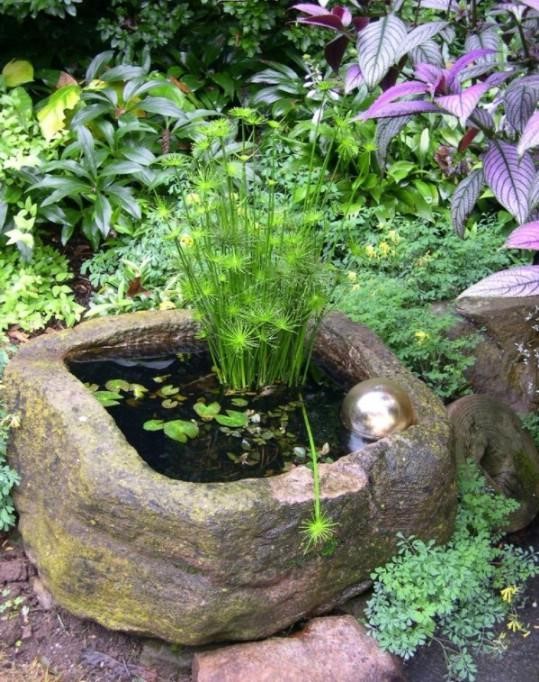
[116, 542]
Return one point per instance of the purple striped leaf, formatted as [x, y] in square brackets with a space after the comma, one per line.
[534, 192]
[379, 46]
[386, 130]
[530, 134]
[396, 91]
[463, 104]
[534, 4]
[344, 15]
[462, 63]
[482, 118]
[509, 177]
[524, 237]
[443, 5]
[353, 78]
[359, 23]
[311, 9]
[421, 34]
[487, 38]
[325, 20]
[520, 103]
[432, 76]
[334, 51]
[519, 281]
[428, 52]
[400, 109]
[464, 198]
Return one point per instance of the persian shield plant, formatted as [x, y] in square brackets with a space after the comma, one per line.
[251, 260]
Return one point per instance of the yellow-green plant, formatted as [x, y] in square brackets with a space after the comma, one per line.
[251, 261]
[8, 477]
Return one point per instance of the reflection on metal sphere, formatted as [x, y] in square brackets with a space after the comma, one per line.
[376, 408]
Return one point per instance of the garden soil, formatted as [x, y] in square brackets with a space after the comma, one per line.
[41, 643]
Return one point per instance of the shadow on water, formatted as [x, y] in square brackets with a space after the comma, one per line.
[265, 434]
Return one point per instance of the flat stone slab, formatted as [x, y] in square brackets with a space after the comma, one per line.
[192, 563]
[331, 649]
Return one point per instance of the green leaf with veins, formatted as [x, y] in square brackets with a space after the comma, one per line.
[153, 425]
[108, 398]
[181, 430]
[168, 390]
[239, 402]
[117, 385]
[233, 419]
[207, 412]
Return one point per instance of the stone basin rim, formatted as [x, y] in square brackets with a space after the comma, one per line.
[53, 368]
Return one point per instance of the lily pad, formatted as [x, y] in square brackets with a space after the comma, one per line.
[153, 425]
[181, 430]
[168, 390]
[108, 398]
[207, 412]
[117, 385]
[138, 390]
[233, 419]
[239, 402]
[168, 403]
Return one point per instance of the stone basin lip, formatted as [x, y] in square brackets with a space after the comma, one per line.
[120, 543]
[52, 352]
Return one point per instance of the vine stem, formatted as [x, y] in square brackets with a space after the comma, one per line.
[314, 459]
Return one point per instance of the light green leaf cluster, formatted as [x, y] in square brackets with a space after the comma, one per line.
[8, 477]
[452, 592]
[32, 294]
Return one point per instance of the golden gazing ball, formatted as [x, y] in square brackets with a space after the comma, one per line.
[376, 408]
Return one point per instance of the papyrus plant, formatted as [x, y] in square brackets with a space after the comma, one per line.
[251, 263]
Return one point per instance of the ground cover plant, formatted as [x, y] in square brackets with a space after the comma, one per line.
[35, 294]
[454, 594]
[133, 150]
[8, 477]
[397, 272]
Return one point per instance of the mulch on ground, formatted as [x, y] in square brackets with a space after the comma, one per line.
[40, 642]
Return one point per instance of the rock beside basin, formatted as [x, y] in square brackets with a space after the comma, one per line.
[192, 563]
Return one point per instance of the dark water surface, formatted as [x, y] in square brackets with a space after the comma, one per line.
[272, 440]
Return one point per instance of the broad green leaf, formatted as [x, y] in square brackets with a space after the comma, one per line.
[121, 168]
[17, 72]
[52, 115]
[400, 170]
[102, 214]
[207, 412]
[153, 425]
[232, 419]
[181, 430]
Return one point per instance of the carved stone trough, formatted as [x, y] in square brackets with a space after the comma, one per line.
[118, 543]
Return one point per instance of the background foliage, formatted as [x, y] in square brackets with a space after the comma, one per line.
[8, 477]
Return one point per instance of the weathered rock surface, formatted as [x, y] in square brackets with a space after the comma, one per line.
[332, 649]
[505, 366]
[489, 432]
[199, 562]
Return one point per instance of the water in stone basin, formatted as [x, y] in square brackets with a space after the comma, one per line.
[186, 426]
